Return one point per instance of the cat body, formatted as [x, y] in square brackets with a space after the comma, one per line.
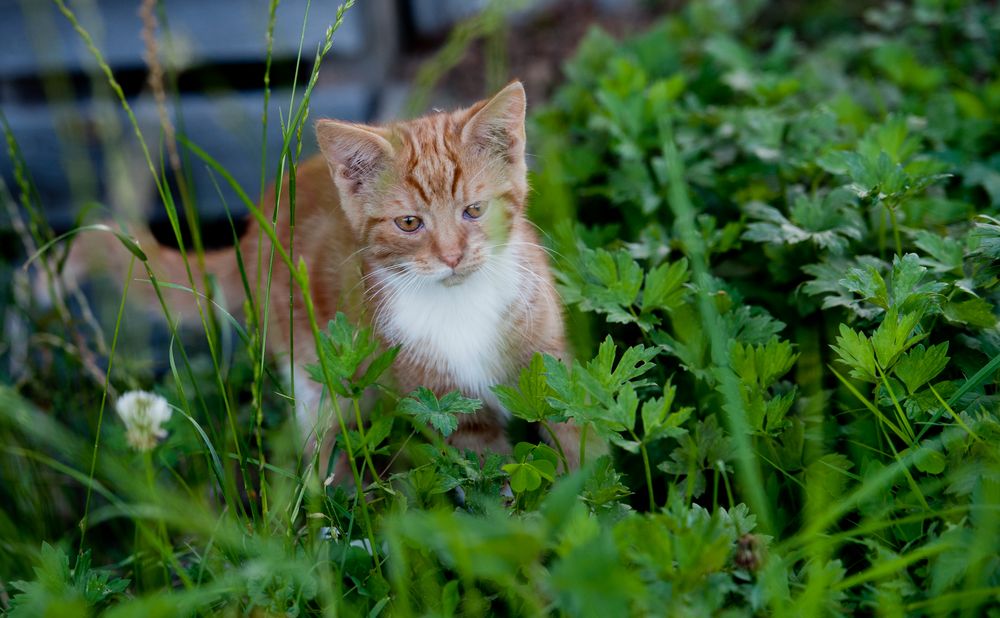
[418, 229]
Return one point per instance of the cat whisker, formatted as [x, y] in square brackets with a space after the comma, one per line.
[493, 272]
[345, 260]
[552, 252]
[415, 281]
[537, 278]
[389, 272]
[410, 280]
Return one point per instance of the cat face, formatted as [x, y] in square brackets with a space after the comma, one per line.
[434, 197]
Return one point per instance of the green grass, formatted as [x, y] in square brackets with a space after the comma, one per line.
[779, 254]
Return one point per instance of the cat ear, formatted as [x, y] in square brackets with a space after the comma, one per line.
[498, 126]
[355, 153]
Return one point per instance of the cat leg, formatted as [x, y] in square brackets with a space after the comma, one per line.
[317, 426]
[480, 436]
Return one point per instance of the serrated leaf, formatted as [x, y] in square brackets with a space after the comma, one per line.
[909, 291]
[762, 364]
[868, 284]
[603, 282]
[828, 282]
[530, 399]
[945, 253]
[975, 312]
[855, 350]
[657, 419]
[344, 349]
[751, 324]
[664, 286]
[440, 414]
[985, 237]
[921, 365]
[894, 336]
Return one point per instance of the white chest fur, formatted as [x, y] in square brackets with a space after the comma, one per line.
[461, 330]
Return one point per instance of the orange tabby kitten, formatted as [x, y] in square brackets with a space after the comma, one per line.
[417, 228]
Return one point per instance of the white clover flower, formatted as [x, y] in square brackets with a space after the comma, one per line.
[143, 414]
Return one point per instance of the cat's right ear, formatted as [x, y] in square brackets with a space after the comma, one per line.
[355, 153]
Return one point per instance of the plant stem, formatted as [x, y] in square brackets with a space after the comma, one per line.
[557, 444]
[895, 231]
[646, 469]
[364, 440]
[100, 413]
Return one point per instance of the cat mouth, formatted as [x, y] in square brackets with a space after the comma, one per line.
[455, 278]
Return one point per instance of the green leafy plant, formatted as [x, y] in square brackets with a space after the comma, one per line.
[777, 236]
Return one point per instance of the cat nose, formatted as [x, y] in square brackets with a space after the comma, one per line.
[452, 258]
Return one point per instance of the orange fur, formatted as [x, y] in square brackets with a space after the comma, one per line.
[360, 262]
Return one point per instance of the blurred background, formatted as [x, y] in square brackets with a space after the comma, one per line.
[389, 58]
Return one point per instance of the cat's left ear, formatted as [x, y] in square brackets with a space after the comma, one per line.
[498, 126]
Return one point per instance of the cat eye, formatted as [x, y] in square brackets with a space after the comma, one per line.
[409, 223]
[474, 211]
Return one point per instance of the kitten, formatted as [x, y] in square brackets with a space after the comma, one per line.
[419, 229]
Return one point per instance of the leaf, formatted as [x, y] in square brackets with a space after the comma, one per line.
[868, 284]
[822, 222]
[893, 337]
[343, 350]
[908, 289]
[751, 324]
[534, 463]
[934, 462]
[440, 414]
[828, 282]
[604, 488]
[657, 419]
[632, 446]
[904, 290]
[603, 282]
[985, 237]
[376, 434]
[921, 365]
[57, 588]
[945, 253]
[826, 478]
[377, 367]
[593, 581]
[774, 228]
[855, 350]
[975, 312]
[664, 286]
[530, 400]
[762, 364]
[705, 446]
[634, 362]
[523, 477]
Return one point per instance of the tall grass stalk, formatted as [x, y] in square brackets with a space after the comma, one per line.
[167, 199]
[748, 469]
[104, 401]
